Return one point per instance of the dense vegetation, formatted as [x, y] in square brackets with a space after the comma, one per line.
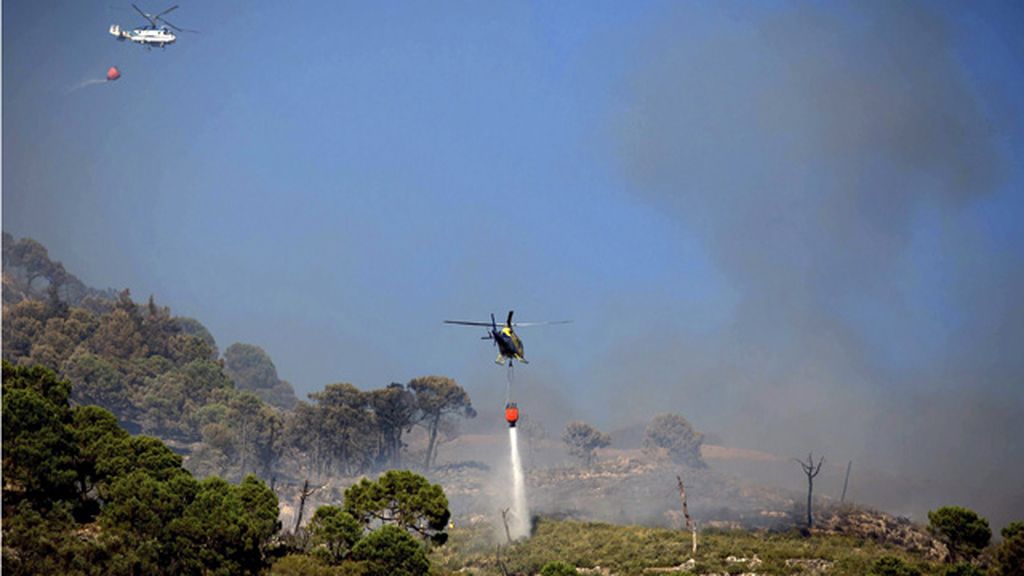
[84, 370]
[82, 496]
[163, 376]
[96, 387]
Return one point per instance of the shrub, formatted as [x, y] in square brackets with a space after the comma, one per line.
[961, 529]
[301, 565]
[675, 435]
[391, 551]
[335, 532]
[1012, 529]
[892, 566]
[558, 568]
[582, 439]
[1009, 557]
[962, 569]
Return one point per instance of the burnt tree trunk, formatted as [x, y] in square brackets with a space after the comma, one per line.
[306, 493]
[686, 514]
[846, 481]
[504, 520]
[811, 470]
[432, 444]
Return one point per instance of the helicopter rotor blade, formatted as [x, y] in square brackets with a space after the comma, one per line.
[466, 323]
[146, 16]
[508, 321]
[168, 11]
[165, 21]
[493, 324]
[525, 324]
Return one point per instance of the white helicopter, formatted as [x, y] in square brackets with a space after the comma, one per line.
[155, 34]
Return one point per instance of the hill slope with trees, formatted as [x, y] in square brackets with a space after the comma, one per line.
[230, 415]
[82, 496]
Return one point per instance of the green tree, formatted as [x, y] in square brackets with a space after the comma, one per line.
[99, 382]
[1012, 530]
[66, 468]
[185, 348]
[304, 565]
[963, 531]
[395, 409]
[256, 429]
[675, 435]
[139, 509]
[404, 499]
[391, 551]
[118, 335]
[195, 328]
[23, 324]
[32, 257]
[38, 443]
[46, 543]
[99, 442]
[582, 439]
[158, 329]
[436, 398]
[225, 529]
[346, 423]
[304, 433]
[171, 400]
[1009, 556]
[335, 532]
[252, 370]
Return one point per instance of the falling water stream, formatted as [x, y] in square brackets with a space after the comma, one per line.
[519, 520]
[519, 517]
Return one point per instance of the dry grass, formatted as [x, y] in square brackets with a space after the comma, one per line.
[634, 550]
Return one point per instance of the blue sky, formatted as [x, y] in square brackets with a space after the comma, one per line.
[757, 214]
[330, 181]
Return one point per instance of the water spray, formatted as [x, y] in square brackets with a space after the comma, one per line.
[519, 526]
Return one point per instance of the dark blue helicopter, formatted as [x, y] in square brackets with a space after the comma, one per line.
[510, 346]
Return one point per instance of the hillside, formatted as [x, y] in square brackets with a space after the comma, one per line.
[163, 375]
[607, 549]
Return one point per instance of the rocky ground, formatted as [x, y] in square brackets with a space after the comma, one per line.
[880, 527]
[622, 486]
[627, 487]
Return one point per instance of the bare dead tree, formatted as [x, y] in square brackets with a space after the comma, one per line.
[504, 520]
[811, 470]
[846, 481]
[686, 514]
[306, 493]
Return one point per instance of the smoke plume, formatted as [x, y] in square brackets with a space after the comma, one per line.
[830, 160]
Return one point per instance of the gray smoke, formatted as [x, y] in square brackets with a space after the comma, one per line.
[826, 158]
